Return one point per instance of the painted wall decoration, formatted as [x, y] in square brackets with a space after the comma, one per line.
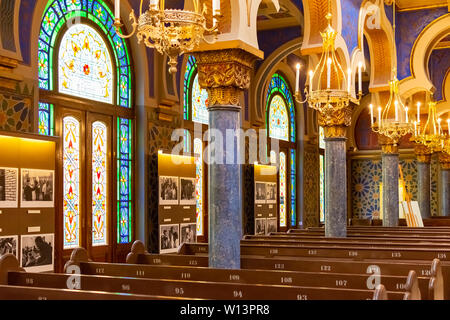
[15, 112]
[56, 13]
[311, 186]
[349, 23]
[438, 67]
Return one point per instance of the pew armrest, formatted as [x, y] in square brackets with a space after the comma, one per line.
[78, 255]
[137, 249]
[436, 284]
[8, 262]
[412, 287]
[380, 293]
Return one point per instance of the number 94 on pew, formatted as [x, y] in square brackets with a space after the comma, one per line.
[226, 309]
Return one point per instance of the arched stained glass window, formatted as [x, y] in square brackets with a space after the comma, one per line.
[278, 119]
[198, 149]
[195, 98]
[84, 65]
[99, 184]
[71, 182]
[279, 87]
[322, 174]
[283, 181]
[46, 121]
[59, 13]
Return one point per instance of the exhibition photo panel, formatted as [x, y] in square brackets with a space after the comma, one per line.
[169, 238]
[187, 193]
[260, 192]
[9, 244]
[9, 187]
[37, 188]
[168, 190]
[188, 232]
[271, 192]
[37, 252]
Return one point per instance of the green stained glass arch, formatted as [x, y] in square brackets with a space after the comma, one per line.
[195, 98]
[59, 13]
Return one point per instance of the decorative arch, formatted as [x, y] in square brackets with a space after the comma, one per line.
[420, 55]
[279, 90]
[443, 106]
[58, 13]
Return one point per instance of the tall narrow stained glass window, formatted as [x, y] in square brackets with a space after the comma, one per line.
[283, 181]
[124, 196]
[186, 141]
[99, 184]
[195, 98]
[46, 120]
[84, 65]
[292, 187]
[71, 182]
[322, 174]
[198, 149]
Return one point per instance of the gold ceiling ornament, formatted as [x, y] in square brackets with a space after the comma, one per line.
[393, 120]
[329, 88]
[171, 31]
[431, 134]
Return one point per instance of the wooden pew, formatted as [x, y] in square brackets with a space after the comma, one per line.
[291, 278]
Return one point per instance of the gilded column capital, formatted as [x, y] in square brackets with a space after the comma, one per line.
[444, 160]
[423, 153]
[388, 146]
[335, 121]
[224, 74]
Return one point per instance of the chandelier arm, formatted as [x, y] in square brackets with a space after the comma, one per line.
[118, 25]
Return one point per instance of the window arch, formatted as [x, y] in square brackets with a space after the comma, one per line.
[195, 98]
[278, 119]
[59, 13]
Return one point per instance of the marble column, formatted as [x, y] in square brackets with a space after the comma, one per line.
[335, 122]
[444, 160]
[390, 175]
[224, 74]
[423, 179]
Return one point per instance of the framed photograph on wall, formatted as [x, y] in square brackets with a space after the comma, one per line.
[169, 238]
[168, 190]
[271, 225]
[37, 252]
[271, 192]
[187, 191]
[8, 244]
[260, 192]
[38, 188]
[188, 232]
[260, 226]
[9, 187]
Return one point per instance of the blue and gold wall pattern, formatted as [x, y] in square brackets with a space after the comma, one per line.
[438, 66]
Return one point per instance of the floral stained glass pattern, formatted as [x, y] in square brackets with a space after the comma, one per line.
[84, 65]
[71, 182]
[283, 181]
[278, 119]
[57, 14]
[46, 121]
[198, 149]
[191, 68]
[99, 184]
[322, 188]
[278, 85]
[124, 196]
[293, 188]
[186, 141]
[199, 103]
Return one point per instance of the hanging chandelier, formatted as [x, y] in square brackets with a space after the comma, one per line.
[431, 135]
[393, 121]
[171, 31]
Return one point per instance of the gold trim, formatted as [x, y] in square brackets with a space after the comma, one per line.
[433, 6]
[231, 44]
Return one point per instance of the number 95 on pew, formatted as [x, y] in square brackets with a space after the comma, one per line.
[231, 310]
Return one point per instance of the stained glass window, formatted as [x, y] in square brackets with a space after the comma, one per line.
[191, 70]
[186, 141]
[46, 120]
[278, 119]
[292, 187]
[321, 138]
[124, 196]
[278, 86]
[322, 188]
[56, 14]
[99, 184]
[198, 149]
[283, 181]
[71, 182]
[84, 65]
[194, 96]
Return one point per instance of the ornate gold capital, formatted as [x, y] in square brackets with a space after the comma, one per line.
[332, 117]
[225, 74]
[423, 153]
[444, 160]
[335, 132]
[388, 146]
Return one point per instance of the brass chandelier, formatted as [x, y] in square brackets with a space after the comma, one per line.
[431, 135]
[393, 121]
[171, 31]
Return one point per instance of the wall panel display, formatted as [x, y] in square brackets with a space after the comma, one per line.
[9, 187]
[271, 192]
[188, 232]
[168, 190]
[187, 191]
[8, 244]
[37, 252]
[260, 192]
[271, 225]
[37, 188]
[170, 238]
[260, 226]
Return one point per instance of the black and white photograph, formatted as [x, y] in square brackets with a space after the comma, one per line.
[37, 188]
[260, 192]
[169, 238]
[187, 193]
[168, 190]
[37, 252]
[8, 244]
[188, 232]
[9, 187]
[271, 192]
[271, 225]
[260, 226]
